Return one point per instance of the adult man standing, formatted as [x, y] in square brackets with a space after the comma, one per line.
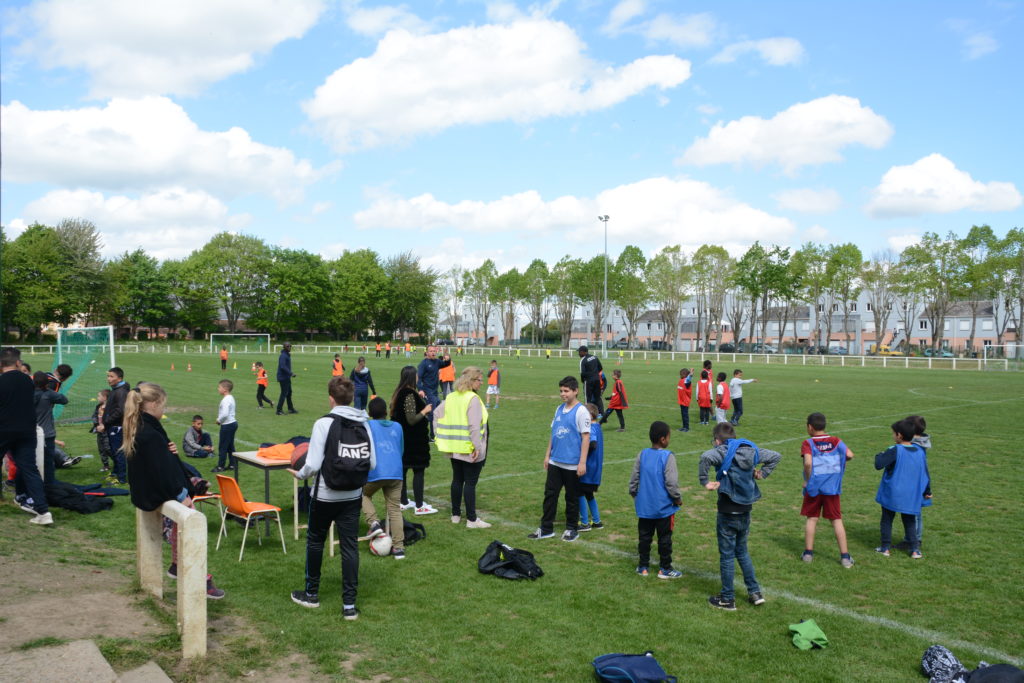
[284, 378]
[113, 418]
[18, 435]
[429, 377]
[590, 375]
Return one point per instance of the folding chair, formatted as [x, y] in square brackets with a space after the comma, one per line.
[210, 499]
[236, 505]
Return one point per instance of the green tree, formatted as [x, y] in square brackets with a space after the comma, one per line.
[709, 267]
[630, 292]
[668, 279]
[409, 305]
[844, 267]
[878, 278]
[1010, 298]
[79, 244]
[535, 284]
[296, 295]
[147, 299]
[562, 287]
[590, 289]
[453, 290]
[908, 286]
[753, 276]
[234, 268]
[194, 304]
[811, 262]
[359, 291]
[33, 278]
[508, 292]
[479, 291]
[940, 267]
[981, 277]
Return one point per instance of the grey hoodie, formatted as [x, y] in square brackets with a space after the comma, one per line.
[315, 455]
[744, 461]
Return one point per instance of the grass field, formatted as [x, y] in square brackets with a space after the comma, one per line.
[434, 617]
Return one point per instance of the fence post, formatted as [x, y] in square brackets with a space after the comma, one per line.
[148, 555]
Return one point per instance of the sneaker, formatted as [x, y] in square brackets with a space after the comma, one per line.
[669, 574]
[398, 553]
[350, 614]
[682, 429]
[71, 462]
[427, 509]
[212, 592]
[584, 527]
[279, 413]
[882, 551]
[540, 533]
[755, 598]
[46, 519]
[596, 525]
[172, 571]
[721, 603]
[621, 429]
[846, 561]
[642, 571]
[112, 481]
[26, 504]
[477, 523]
[407, 506]
[808, 556]
[456, 519]
[375, 530]
[570, 535]
[305, 599]
[915, 555]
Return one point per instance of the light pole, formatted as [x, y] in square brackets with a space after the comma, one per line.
[604, 302]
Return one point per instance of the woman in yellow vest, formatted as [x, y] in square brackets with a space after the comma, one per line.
[460, 428]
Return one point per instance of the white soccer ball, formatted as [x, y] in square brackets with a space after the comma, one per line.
[92, 362]
[381, 545]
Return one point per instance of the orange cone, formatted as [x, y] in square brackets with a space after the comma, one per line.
[172, 367]
[253, 367]
[190, 367]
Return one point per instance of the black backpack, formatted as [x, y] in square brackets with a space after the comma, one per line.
[346, 454]
[508, 562]
[413, 531]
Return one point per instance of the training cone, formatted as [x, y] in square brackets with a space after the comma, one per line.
[190, 367]
[253, 368]
[172, 367]
[234, 366]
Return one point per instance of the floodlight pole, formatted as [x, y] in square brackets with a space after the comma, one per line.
[604, 302]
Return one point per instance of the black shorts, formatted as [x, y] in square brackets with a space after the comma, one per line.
[588, 488]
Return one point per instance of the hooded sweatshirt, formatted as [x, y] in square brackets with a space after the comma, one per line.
[742, 466]
[315, 455]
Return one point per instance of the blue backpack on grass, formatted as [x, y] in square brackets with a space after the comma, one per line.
[633, 668]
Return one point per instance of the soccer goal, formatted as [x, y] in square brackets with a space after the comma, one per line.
[240, 343]
[1003, 356]
[89, 351]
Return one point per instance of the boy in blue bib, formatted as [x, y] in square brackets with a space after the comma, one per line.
[905, 486]
[654, 485]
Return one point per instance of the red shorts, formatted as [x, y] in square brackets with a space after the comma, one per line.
[821, 506]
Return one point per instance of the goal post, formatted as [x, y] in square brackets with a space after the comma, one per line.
[89, 351]
[239, 343]
[1003, 352]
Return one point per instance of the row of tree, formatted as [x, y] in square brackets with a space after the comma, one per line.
[764, 284]
[56, 274]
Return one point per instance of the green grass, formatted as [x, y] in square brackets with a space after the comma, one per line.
[434, 617]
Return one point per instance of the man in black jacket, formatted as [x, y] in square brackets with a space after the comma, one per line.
[590, 376]
[284, 378]
[18, 435]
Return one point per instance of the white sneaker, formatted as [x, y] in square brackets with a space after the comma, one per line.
[407, 506]
[456, 519]
[44, 519]
[478, 524]
[427, 509]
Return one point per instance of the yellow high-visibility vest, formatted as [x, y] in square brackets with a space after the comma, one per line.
[452, 429]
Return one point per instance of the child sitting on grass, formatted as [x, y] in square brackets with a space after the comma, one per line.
[654, 485]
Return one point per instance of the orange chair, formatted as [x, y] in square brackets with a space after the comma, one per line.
[236, 505]
[210, 499]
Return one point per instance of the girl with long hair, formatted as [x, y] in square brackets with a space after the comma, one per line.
[410, 409]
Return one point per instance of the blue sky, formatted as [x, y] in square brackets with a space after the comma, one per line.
[465, 130]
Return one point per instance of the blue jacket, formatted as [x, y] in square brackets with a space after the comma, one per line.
[428, 374]
[389, 444]
[284, 366]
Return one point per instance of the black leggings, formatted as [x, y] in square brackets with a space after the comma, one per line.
[261, 396]
[417, 485]
[464, 478]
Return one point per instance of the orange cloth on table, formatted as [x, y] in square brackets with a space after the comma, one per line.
[281, 451]
[261, 377]
[447, 373]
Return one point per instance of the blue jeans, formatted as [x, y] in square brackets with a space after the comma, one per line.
[27, 480]
[116, 437]
[737, 410]
[732, 545]
[909, 528]
[361, 398]
[226, 445]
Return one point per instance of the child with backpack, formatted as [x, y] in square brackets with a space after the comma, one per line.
[654, 485]
[905, 486]
[590, 517]
[386, 476]
[341, 455]
[825, 460]
[736, 474]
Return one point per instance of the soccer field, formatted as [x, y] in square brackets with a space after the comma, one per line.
[434, 617]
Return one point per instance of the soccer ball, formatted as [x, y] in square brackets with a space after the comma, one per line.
[381, 545]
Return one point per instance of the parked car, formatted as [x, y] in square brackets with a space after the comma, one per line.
[937, 353]
[727, 348]
[763, 348]
[838, 350]
[621, 344]
[444, 342]
[660, 346]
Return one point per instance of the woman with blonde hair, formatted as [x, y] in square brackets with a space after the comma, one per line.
[154, 472]
[460, 425]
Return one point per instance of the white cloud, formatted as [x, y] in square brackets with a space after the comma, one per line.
[376, 21]
[816, 233]
[453, 251]
[168, 223]
[333, 250]
[654, 211]
[773, 51]
[321, 207]
[708, 109]
[979, 44]
[935, 185]
[900, 242]
[140, 48]
[623, 12]
[523, 71]
[808, 133]
[808, 200]
[144, 144]
[15, 228]
[684, 31]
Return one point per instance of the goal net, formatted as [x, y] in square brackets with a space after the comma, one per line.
[240, 343]
[89, 351]
[1014, 353]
